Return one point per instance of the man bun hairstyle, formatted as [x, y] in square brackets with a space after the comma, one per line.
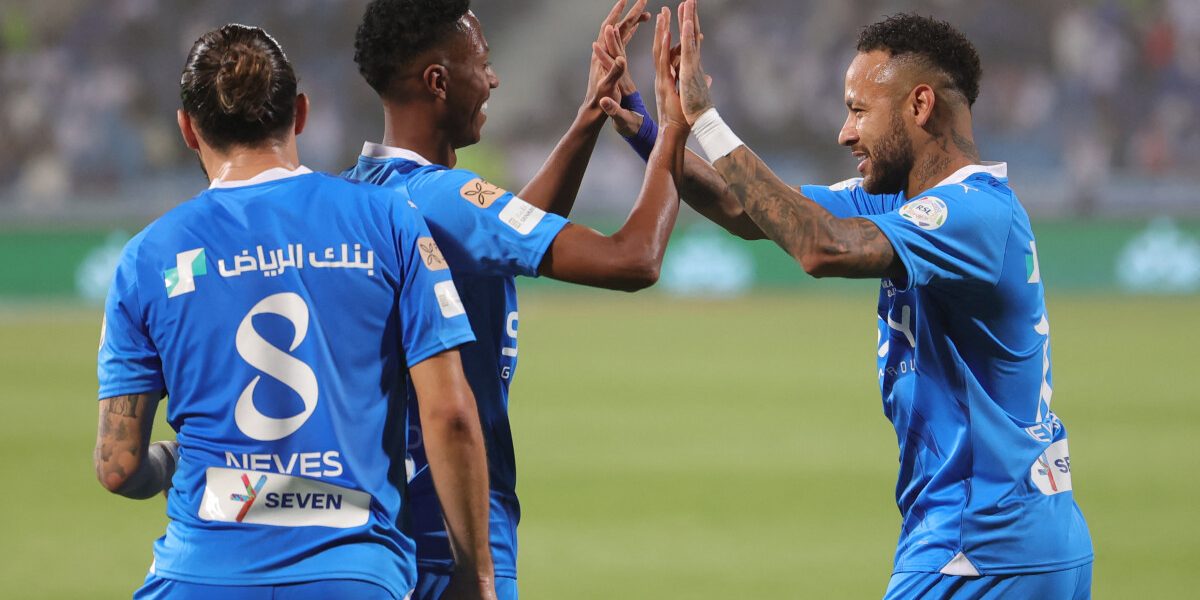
[238, 87]
[394, 32]
[936, 43]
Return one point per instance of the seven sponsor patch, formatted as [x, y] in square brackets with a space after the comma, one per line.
[1051, 472]
[239, 496]
[928, 213]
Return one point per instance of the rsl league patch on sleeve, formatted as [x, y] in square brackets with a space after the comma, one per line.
[431, 256]
[928, 213]
[480, 192]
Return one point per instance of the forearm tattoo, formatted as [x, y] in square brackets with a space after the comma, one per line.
[800, 226]
[124, 427]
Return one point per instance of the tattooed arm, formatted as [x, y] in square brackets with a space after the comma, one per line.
[825, 246]
[126, 463]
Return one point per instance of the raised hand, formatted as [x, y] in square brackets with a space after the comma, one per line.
[670, 109]
[605, 79]
[693, 83]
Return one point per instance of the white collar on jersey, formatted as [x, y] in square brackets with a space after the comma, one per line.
[373, 150]
[998, 170]
[269, 175]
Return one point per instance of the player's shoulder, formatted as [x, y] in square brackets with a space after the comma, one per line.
[443, 189]
[978, 190]
[989, 179]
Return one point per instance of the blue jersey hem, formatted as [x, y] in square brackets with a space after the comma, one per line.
[128, 389]
[1008, 570]
[450, 344]
[284, 579]
[446, 567]
[540, 252]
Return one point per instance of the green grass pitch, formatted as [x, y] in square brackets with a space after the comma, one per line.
[676, 449]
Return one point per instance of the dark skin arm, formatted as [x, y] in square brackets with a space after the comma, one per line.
[122, 444]
[556, 184]
[823, 244]
[631, 258]
[458, 463]
[700, 186]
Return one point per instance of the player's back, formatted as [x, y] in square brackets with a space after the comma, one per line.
[285, 313]
[488, 236]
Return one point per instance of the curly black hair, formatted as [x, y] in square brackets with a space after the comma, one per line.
[394, 32]
[935, 42]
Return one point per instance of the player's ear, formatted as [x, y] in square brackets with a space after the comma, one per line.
[436, 78]
[186, 130]
[301, 113]
[922, 101]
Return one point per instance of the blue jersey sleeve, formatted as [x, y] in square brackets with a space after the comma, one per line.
[432, 317]
[848, 199]
[485, 229]
[128, 362]
[952, 233]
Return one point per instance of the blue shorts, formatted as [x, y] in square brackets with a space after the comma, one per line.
[1068, 584]
[156, 587]
[430, 586]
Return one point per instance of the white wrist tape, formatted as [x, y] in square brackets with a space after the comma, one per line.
[715, 137]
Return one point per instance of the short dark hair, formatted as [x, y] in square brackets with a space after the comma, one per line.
[394, 32]
[936, 42]
[238, 87]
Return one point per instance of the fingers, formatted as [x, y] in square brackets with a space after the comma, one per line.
[614, 73]
[694, 16]
[656, 47]
[687, 28]
[636, 16]
[613, 15]
[603, 57]
[610, 106]
[613, 43]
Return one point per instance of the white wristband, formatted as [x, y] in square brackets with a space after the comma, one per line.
[715, 137]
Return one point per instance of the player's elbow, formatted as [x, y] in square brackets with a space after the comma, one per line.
[453, 417]
[821, 262]
[644, 276]
[111, 479]
[638, 275]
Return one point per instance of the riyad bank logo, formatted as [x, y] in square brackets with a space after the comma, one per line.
[248, 498]
[182, 279]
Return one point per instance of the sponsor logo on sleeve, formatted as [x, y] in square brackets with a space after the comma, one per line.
[431, 256]
[182, 279]
[1051, 472]
[928, 212]
[237, 496]
[480, 192]
[521, 215]
[448, 300]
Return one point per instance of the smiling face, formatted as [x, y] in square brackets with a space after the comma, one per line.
[875, 130]
[471, 81]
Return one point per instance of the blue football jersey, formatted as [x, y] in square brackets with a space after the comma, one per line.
[280, 315]
[488, 236]
[964, 368]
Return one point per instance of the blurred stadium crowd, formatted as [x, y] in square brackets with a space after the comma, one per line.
[1095, 104]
